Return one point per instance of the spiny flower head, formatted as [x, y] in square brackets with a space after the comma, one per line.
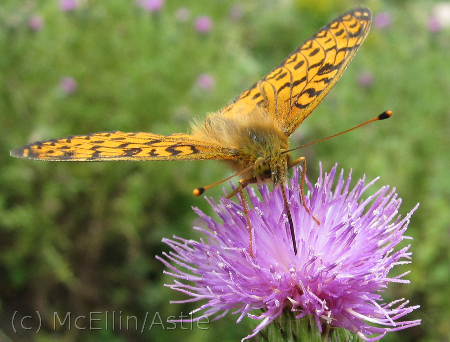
[337, 275]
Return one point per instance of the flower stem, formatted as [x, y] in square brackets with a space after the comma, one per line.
[288, 328]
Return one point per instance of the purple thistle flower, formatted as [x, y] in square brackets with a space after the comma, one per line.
[151, 5]
[339, 271]
[365, 79]
[68, 85]
[382, 20]
[68, 5]
[206, 82]
[203, 24]
[434, 25]
[35, 23]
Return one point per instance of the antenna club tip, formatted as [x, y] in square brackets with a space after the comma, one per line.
[385, 115]
[198, 191]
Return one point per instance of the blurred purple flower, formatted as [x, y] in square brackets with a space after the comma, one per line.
[68, 5]
[183, 14]
[365, 79]
[151, 5]
[68, 85]
[203, 24]
[434, 24]
[382, 20]
[339, 271]
[206, 82]
[35, 23]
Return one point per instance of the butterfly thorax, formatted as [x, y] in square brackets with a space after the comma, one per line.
[254, 138]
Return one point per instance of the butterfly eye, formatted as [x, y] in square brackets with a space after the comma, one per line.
[262, 168]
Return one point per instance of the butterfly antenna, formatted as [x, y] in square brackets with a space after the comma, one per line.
[385, 115]
[199, 191]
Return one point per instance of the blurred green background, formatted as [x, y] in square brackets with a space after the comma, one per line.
[82, 237]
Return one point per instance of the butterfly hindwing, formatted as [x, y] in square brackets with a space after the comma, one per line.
[292, 90]
[121, 146]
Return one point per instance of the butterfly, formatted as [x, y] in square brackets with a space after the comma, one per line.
[251, 134]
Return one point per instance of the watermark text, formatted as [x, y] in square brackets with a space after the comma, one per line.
[107, 320]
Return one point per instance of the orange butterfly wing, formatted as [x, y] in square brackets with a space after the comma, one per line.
[122, 146]
[294, 89]
[289, 93]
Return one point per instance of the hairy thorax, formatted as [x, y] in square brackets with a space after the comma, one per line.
[255, 138]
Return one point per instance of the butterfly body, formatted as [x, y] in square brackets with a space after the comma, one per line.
[253, 138]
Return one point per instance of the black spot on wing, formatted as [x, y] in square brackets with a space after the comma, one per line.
[339, 33]
[256, 96]
[149, 143]
[132, 151]
[281, 76]
[299, 64]
[327, 68]
[194, 149]
[297, 82]
[356, 33]
[311, 92]
[319, 63]
[94, 156]
[153, 153]
[314, 52]
[173, 151]
[324, 80]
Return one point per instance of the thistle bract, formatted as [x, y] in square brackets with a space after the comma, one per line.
[337, 276]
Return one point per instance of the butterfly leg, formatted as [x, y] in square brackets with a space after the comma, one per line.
[249, 223]
[302, 183]
[242, 184]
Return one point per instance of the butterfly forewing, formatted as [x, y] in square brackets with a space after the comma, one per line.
[293, 89]
[122, 146]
